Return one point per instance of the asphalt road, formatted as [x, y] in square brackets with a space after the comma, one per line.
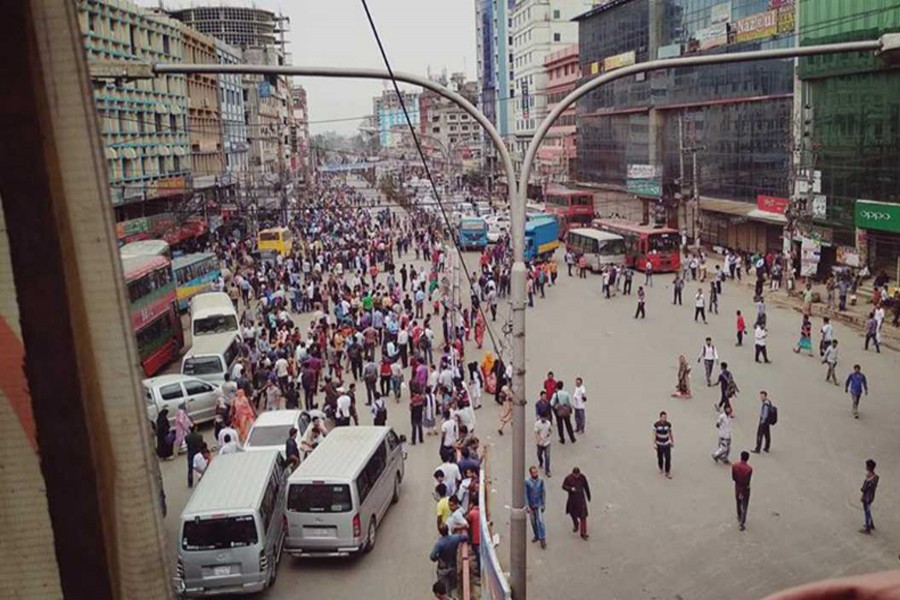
[652, 537]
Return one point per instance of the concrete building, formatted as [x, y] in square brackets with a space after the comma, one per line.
[734, 120]
[849, 140]
[231, 107]
[451, 138]
[388, 114]
[300, 133]
[557, 155]
[240, 27]
[204, 115]
[143, 122]
[539, 28]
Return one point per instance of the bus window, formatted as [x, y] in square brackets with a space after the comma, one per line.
[664, 242]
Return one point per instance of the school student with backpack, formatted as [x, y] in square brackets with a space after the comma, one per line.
[768, 416]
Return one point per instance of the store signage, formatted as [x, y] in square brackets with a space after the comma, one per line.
[171, 186]
[772, 204]
[756, 27]
[781, 3]
[786, 20]
[643, 172]
[125, 229]
[881, 216]
[847, 255]
[670, 51]
[810, 254]
[626, 59]
[644, 180]
[265, 89]
[712, 36]
[819, 206]
[720, 13]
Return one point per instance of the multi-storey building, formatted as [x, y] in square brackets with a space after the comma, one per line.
[849, 138]
[451, 137]
[734, 120]
[143, 122]
[539, 28]
[495, 70]
[240, 27]
[388, 114]
[300, 132]
[557, 154]
[231, 107]
[204, 116]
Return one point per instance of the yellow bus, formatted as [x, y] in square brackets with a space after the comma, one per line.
[276, 239]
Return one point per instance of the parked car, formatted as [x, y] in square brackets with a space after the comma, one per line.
[270, 430]
[171, 391]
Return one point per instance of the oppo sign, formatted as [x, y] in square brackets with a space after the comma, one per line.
[882, 216]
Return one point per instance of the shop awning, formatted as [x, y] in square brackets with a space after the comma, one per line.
[746, 210]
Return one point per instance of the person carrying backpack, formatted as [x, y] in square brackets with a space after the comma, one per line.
[379, 411]
[768, 416]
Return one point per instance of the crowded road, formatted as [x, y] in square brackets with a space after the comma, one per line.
[652, 537]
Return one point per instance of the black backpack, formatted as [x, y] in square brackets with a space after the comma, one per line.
[773, 414]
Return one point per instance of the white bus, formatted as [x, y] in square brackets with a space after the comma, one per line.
[599, 247]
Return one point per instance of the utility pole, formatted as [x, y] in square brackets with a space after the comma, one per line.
[695, 181]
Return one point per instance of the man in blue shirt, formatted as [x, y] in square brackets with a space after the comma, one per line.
[444, 554]
[535, 499]
[856, 384]
[763, 430]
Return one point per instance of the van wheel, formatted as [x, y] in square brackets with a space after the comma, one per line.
[370, 536]
[273, 573]
[396, 495]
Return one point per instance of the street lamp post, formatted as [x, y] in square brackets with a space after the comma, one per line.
[517, 200]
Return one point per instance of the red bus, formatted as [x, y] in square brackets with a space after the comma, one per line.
[660, 245]
[572, 208]
[153, 309]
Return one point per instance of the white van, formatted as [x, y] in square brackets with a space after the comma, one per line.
[341, 492]
[211, 357]
[231, 532]
[212, 313]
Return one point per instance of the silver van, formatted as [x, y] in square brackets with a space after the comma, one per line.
[211, 357]
[232, 530]
[338, 496]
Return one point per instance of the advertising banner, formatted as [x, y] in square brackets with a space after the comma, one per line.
[756, 27]
[595, 67]
[810, 252]
[781, 3]
[712, 36]
[772, 204]
[786, 19]
[670, 51]
[819, 206]
[847, 255]
[626, 59]
[881, 216]
[644, 180]
[720, 13]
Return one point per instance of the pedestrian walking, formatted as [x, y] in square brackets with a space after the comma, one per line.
[570, 260]
[683, 386]
[677, 287]
[827, 335]
[506, 408]
[561, 402]
[535, 501]
[727, 387]
[201, 461]
[872, 333]
[629, 276]
[723, 430]
[579, 397]
[760, 336]
[699, 305]
[648, 273]
[805, 341]
[856, 384]
[830, 358]
[870, 484]
[714, 297]
[579, 490]
[663, 442]
[194, 442]
[768, 416]
[543, 436]
[741, 473]
[741, 329]
[709, 355]
[641, 298]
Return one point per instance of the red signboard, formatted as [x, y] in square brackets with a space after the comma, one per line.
[147, 314]
[772, 204]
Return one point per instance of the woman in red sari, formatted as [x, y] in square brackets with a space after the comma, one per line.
[479, 329]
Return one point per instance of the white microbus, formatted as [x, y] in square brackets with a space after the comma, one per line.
[599, 247]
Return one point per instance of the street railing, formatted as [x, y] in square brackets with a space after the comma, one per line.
[494, 585]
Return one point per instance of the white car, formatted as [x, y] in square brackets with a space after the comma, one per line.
[172, 391]
[270, 430]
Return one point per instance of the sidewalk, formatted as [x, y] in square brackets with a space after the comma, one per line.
[855, 316]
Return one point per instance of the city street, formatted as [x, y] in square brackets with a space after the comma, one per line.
[652, 537]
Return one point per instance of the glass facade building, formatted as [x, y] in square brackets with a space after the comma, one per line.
[738, 116]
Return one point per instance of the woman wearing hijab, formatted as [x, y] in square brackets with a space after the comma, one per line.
[576, 486]
[683, 388]
[242, 415]
[164, 440]
[182, 428]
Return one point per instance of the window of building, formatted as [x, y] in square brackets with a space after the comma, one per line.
[165, 40]
[555, 14]
[556, 37]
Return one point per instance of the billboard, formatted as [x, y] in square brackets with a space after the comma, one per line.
[882, 216]
[712, 36]
[644, 180]
[756, 27]
[720, 13]
[617, 61]
[772, 204]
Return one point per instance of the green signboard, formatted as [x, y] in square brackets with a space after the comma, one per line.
[881, 216]
[644, 187]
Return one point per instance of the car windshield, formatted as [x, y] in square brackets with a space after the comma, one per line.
[215, 324]
[273, 435]
[664, 242]
[319, 498]
[202, 365]
[218, 534]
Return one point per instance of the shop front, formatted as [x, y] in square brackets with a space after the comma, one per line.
[878, 236]
[740, 226]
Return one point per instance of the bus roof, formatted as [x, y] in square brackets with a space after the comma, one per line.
[136, 267]
[274, 230]
[637, 228]
[595, 234]
[471, 219]
[567, 192]
[213, 343]
[232, 482]
[342, 454]
[187, 260]
[145, 248]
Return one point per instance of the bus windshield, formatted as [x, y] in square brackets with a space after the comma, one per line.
[612, 248]
[219, 534]
[269, 236]
[664, 242]
[473, 226]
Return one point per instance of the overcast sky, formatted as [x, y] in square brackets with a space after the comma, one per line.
[417, 34]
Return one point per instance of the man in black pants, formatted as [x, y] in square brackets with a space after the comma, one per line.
[763, 429]
[663, 441]
[677, 286]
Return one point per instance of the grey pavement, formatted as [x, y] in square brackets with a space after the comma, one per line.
[652, 537]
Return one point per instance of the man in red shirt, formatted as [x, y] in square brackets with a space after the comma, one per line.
[741, 473]
[550, 386]
[474, 519]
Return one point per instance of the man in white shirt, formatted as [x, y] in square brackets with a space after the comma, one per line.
[723, 428]
[237, 370]
[452, 476]
[342, 410]
[201, 462]
[229, 431]
[579, 397]
[759, 337]
[456, 522]
[449, 435]
[281, 371]
[543, 435]
[709, 355]
[827, 336]
[230, 446]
